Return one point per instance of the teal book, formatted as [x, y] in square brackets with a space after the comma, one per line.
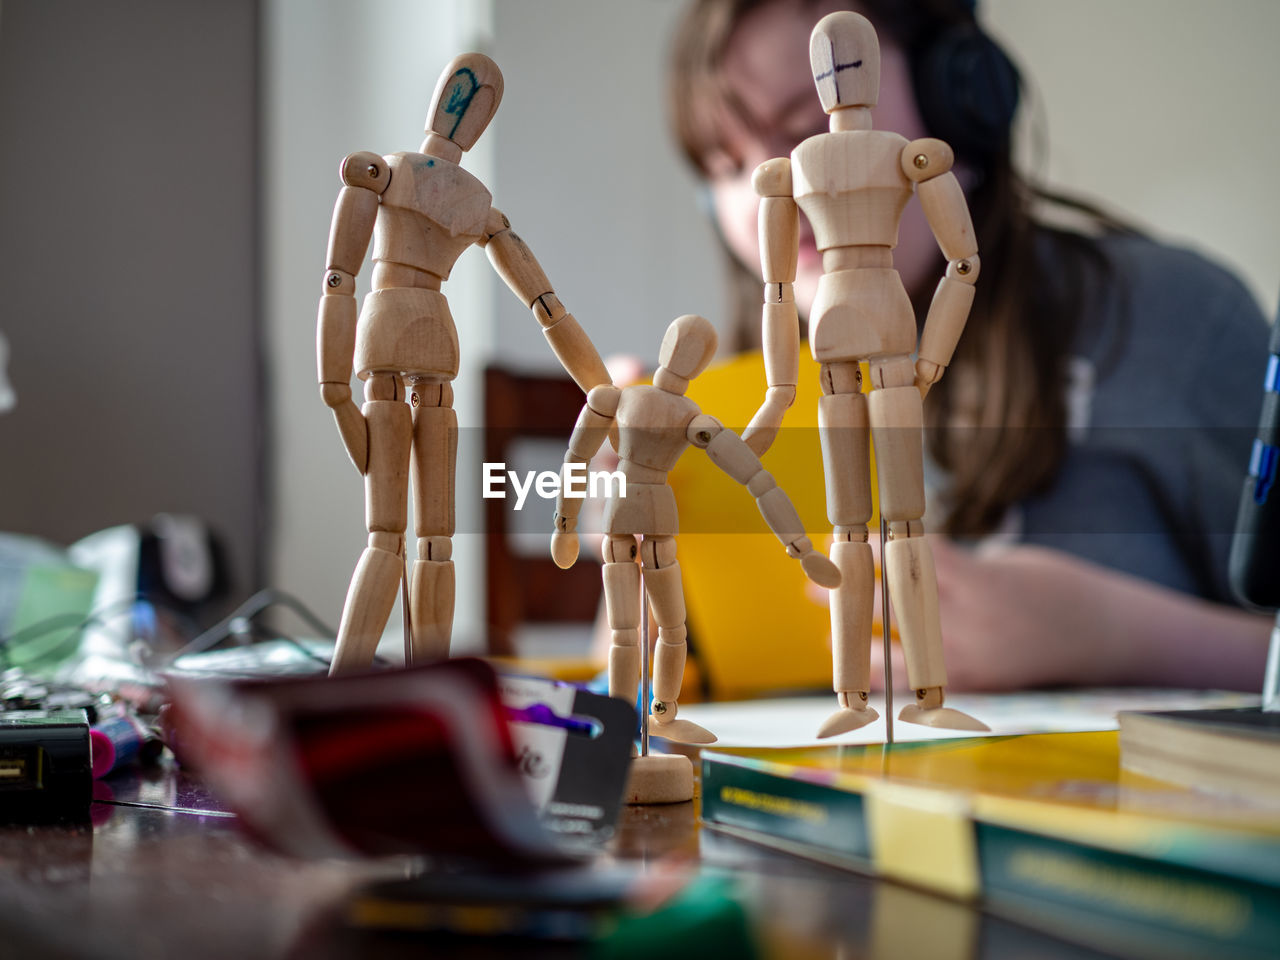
[1044, 829]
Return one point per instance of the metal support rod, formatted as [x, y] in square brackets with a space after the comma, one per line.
[404, 604]
[884, 620]
[645, 692]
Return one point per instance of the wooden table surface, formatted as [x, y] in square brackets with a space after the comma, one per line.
[143, 882]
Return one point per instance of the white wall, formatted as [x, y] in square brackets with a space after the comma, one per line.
[1166, 110]
[590, 178]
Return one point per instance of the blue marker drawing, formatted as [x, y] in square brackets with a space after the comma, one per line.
[460, 95]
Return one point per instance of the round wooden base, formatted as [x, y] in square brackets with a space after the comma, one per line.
[660, 778]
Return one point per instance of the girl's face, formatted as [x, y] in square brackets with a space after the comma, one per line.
[766, 67]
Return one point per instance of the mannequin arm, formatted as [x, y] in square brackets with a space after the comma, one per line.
[731, 454]
[516, 265]
[365, 176]
[779, 226]
[594, 423]
[928, 164]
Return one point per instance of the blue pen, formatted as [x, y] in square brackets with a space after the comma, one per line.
[542, 714]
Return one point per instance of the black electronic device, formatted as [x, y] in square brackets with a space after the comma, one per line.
[1255, 548]
[46, 767]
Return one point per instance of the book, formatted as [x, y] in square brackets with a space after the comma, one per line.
[1234, 752]
[1044, 829]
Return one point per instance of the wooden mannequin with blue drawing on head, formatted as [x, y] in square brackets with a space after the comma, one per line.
[422, 211]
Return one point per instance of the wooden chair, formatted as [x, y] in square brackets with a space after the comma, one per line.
[521, 588]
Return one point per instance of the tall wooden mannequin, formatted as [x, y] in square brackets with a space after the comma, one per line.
[656, 424]
[422, 210]
[852, 184]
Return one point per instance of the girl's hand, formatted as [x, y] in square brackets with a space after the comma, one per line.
[1012, 617]
[1018, 616]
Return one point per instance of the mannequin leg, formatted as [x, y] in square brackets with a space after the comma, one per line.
[846, 461]
[432, 583]
[657, 777]
[373, 588]
[621, 576]
[897, 430]
[666, 598]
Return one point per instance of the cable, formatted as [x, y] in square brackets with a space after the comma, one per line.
[254, 606]
[168, 808]
[251, 608]
[80, 622]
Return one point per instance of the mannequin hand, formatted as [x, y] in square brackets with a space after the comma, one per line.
[564, 549]
[820, 570]
[816, 566]
[351, 423]
[927, 374]
[764, 426]
[335, 394]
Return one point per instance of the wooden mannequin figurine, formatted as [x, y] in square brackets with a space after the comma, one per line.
[656, 424]
[852, 184]
[422, 210]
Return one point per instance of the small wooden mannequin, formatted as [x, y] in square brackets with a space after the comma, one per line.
[852, 184]
[422, 210]
[656, 424]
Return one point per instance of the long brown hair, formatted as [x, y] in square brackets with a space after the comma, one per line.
[997, 421]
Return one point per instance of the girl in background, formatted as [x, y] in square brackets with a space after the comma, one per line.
[1090, 436]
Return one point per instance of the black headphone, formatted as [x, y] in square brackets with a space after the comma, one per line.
[967, 89]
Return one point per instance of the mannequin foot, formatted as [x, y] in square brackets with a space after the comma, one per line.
[845, 719]
[929, 711]
[667, 724]
[682, 731]
[941, 717]
[853, 713]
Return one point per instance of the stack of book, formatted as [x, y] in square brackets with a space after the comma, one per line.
[1044, 829]
[1232, 751]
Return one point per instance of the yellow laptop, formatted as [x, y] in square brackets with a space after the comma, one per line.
[753, 626]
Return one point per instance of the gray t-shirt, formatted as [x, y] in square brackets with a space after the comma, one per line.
[1167, 388]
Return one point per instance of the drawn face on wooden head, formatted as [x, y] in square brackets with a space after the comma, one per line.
[845, 55]
[465, 99]
[688, 346]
